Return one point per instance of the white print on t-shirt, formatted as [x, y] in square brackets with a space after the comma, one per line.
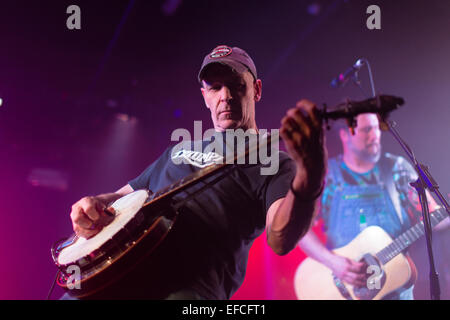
[198, 159]
[212, 153]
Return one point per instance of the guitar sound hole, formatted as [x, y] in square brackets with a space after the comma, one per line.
[375, 281]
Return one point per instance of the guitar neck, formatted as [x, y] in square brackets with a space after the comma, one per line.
[409, 237]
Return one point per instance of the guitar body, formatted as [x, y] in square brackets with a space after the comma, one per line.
[315, 281]
[88, 266]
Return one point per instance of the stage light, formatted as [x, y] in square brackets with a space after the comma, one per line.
[314, 9]
[112, 103]
[1, 102]
[124, 117]
[169, 7]
[178, 113]
[48, 178]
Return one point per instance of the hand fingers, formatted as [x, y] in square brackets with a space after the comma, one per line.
[311, 110]
[286, 135]
[348, 270]
[300, 137]
[91, 207]
[79, 218]
[291, 129]
[87, 217]
[356, 273]
[356, 266]
[304, 119]
[296, 129]
[301, 122]
[355, 279]
[110, 211]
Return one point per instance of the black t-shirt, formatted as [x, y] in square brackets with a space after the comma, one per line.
[207, 249]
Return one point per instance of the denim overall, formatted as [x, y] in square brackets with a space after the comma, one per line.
[355, 207]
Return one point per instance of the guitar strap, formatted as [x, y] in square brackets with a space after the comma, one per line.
[387, 179]
[335, 172]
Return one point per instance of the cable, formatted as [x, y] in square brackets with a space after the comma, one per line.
[53, 286]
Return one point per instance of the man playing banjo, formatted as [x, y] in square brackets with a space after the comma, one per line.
[205, 254]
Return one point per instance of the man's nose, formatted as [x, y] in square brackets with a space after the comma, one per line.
[374, 134]
[225, 93]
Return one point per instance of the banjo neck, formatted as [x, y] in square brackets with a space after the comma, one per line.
[204, 173]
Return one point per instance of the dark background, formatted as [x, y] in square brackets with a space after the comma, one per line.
[66, 93]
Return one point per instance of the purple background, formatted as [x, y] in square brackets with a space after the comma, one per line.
[62, 90]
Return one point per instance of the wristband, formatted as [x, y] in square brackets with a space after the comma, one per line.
[302, 198]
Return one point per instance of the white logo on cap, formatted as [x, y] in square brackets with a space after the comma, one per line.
[220, 51]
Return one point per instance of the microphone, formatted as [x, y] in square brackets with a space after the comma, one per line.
[342, 78]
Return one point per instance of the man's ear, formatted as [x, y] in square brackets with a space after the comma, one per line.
[258, 89]
[343, 134]
[202, 89]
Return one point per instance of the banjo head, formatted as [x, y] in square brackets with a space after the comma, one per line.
[125, 209]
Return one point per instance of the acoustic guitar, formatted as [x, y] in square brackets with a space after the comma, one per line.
[388, 267]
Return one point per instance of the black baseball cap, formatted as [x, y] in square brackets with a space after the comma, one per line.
[234, 57]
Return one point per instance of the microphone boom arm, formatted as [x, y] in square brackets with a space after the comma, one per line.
[382, 105]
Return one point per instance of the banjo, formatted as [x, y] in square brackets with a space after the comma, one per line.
[140, 224]
[141, 220]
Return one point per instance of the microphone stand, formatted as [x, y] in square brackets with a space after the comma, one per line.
[424, 181]
[357, 82]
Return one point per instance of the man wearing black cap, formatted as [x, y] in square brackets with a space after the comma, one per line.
[239, 113]
[205, 254]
